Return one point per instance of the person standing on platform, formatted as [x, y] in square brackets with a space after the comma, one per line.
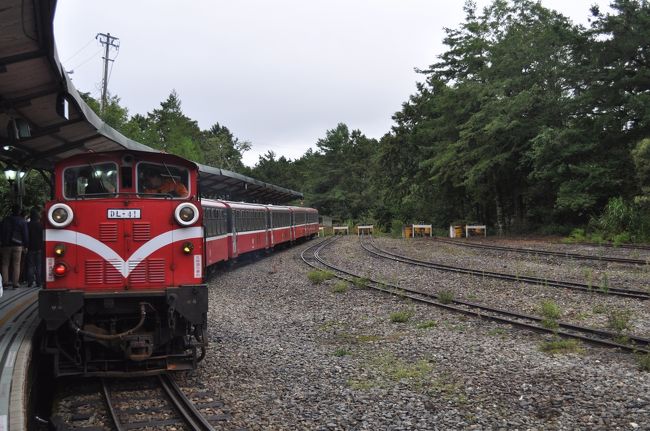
[34, 267]
[15, 238]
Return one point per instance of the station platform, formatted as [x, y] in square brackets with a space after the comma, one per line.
[18, 323]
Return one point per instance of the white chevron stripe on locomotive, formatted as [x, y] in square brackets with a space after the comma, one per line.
[101, 249]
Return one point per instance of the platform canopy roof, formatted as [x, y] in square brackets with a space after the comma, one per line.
[43, 119]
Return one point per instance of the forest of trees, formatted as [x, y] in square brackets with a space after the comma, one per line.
[527, 122]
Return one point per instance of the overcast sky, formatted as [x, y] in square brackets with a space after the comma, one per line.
[276, 73]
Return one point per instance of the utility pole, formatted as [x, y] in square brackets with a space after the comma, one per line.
[109, 41]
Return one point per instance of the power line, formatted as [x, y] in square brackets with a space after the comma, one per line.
[86, 60]
[78, 51]
[109, 42]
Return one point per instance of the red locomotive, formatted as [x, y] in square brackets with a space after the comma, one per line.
[127, 243]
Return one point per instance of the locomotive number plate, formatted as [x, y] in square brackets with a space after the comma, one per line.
[123, 213]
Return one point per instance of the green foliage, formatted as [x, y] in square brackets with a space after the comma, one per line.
[623, 221]
[525, 121]
[561, 345]
[340, 287]
[644, 362]
[361, 282]
[401, 316]
[341, 352]
[317, 276]
[446, 297]
[550, 312]
[427, 324]
[619, 320]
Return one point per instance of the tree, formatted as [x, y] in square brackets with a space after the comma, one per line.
[222, 149]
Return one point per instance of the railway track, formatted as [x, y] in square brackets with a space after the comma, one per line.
[119, 401]
[576, 256]
[635, 294]
[147, 403]
[311, 256]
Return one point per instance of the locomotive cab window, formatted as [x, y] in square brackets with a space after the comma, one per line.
[90, 181]
[163, 181]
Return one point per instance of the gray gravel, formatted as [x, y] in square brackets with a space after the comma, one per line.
[286, 354]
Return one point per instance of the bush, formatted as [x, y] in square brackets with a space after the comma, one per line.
[361, 282]
[623, 222]
[550, 313]
[400, 316]
[317, 276]
[340, 287]
[644, 362]
[446, 297]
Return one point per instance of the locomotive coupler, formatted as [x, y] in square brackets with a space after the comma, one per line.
[138, 347]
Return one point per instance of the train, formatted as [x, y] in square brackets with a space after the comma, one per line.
[128, 243]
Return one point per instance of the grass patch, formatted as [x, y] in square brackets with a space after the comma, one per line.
[550, 313]
[604, 283]
[497, 332]
[400, 316]
[340, 287]
[386, 370]
[348, 338]
[561, 345]
[317, 276]
[341, 352]
[446, 297]
[361, 282]
[619, 320]
[644, 362]
[427, 324]
[599, 309]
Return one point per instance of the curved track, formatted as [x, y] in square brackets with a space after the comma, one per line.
[576, 256]
[636, 294]
[311, 256]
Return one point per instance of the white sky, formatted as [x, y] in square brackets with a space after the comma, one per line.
[276, 73]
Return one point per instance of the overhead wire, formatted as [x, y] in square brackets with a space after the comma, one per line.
[79, 50]
[87, 60]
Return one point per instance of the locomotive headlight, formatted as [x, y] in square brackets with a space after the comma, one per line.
[60, 215]
[186, 214]
[188, 247]
[59, 250]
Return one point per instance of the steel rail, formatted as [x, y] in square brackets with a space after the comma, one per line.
[576, 256]
[111, 408]
[189, 415]
[635, 294]
[641, 344]
[184, 406]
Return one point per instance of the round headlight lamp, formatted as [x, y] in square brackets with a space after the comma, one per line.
[186, 214]
[60, 215]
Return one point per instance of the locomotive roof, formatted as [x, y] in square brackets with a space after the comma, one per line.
[35, 85]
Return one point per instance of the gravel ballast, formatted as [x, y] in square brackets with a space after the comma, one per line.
[287, 354]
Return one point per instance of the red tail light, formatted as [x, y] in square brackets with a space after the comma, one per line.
[60, 269]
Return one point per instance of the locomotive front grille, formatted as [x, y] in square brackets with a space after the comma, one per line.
[102, 272]
[147, 271]
[108, 232]
[99, 272]
[141, 231]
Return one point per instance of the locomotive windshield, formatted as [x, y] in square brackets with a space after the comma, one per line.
[164, 180]
[90, 180]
